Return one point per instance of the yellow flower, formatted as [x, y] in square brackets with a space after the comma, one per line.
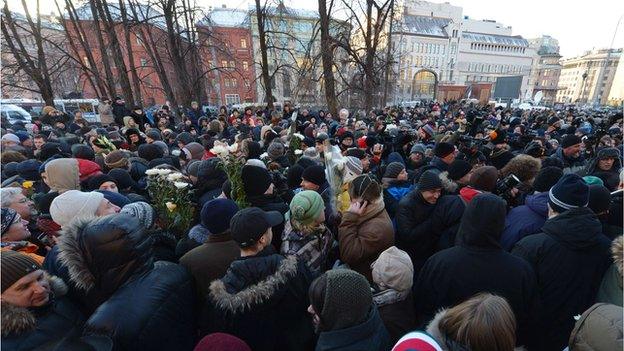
[27, 184]
[171, 206]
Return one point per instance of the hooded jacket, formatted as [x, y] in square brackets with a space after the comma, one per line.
[569, 258]
[63, 174]
[142, 305]
[570, 165]
[29, 328]
[262, 299]
[611, 287]
[479, 264]
[610, 178]
[370, 335]
[525, 220]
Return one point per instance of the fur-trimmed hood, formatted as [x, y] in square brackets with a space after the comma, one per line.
[449, 185]
[258, 293]
[617, 250]
[17, 320]
[433, 329]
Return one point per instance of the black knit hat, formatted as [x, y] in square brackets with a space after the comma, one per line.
[97, 180]
[314, 174]
[546, 178]
[150, 152]
[355, 152]
[393, 170]
[458, 169]
[122, 178]
[498, 136]
[184, 138]
[256, 180]
[14, 267]
[429, 180]
[569, 140]
[82, 151]
[443, 149]
[294, 176]
[599, 198]
[348, 299]
[570, 192]
[153, 134]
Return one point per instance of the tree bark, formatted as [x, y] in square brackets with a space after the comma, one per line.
[136, 86]
[108, 72]
[327, 57]
[266, 79]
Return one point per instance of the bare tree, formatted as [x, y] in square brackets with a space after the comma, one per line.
[136, 84]
[328, 46]
[264, 66]
[34, 65]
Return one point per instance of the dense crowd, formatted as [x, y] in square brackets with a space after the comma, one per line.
[447, 226]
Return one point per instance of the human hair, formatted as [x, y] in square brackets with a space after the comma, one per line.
[7, 196]
[12, 156]
[483, 322]
[40, 136]
[316, 293]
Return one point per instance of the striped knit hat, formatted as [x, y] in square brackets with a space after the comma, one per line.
[569, 192]
[14, 267]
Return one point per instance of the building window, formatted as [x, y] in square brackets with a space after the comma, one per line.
[245, 65]
[232, 64]
[243, 43]
[143, 62]
[226, 82]
[224, 63]
[234, 84]
[232, 99]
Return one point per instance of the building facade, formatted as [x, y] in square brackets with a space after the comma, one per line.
[546, 68]
[230, 56]
[587, 79]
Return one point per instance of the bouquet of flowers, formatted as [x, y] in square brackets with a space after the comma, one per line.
[294, 144]
[172, 199]
[233, 167]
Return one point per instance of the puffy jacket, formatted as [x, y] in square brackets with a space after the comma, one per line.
[414, 234]
[29, 328]
[262, 299]
[142, 305]
[371, 335]
[570, 258]
[599, 328]
[525, 220]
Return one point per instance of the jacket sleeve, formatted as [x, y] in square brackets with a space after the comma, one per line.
[355, 246]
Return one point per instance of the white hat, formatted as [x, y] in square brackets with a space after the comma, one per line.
[74, 203]
[11, 137]
[394, 270]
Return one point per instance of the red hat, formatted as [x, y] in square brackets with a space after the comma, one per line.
[361, 142]
[87, 169]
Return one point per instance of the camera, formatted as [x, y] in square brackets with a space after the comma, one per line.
[504, 186]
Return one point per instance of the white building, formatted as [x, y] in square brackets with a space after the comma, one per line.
[437, 38]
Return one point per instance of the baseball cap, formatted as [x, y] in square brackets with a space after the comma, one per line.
[248, 225]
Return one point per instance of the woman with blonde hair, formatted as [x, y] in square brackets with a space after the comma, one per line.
[483, 322]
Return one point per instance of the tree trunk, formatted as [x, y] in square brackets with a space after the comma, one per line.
[327, 51]
[110, 81]
[266, 79]
[136, 86]
[388, 56]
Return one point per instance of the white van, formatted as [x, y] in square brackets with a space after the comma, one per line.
[13, 113]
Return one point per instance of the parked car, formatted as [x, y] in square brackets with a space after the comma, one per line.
[12, 113]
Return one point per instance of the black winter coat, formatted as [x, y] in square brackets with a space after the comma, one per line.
[570, 258]
[263, 300]
[414, 234]
[142, 305]
[479, 264]
[271, 202]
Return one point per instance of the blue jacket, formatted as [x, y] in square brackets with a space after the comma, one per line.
[525, 220]
[368, 336]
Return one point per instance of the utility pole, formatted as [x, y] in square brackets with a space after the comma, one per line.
[388, 54]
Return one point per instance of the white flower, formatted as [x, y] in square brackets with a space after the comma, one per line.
[298, 152]
[174, 176]
[164, 171]
[233, 148]
[180, 185]
[264, 155]
[301, 137]
[220, 150]
[151, 172]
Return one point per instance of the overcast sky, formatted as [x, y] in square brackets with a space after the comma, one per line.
[579, 26]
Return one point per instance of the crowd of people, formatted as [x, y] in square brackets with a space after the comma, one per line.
[447, 226]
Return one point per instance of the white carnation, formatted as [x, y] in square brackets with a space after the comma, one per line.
[164, 171]
[298, 152]
[264, 155]
[220, 150]
[174, 176]
[151, 172]
[180, 185]
[301, 137]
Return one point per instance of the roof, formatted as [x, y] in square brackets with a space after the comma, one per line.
[288, 12]
[495, 39]
[224, 17]
[424, 25]
[18, 17]
[144, 13]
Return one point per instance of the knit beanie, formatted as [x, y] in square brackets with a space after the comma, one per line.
[315, 175]
[88, 169]
[311, 152]
[95, 181]
[74, 203]
[306, 206]
[153, 134]
[569, 192]
[357, 153]
[498, 136]
[142, 211]
[599, 198]
[29, 169]
[11, 137]
[418, 149]
[443, 149]
[353, 168]
[15, 266]
[10, 169]
[364, 187]
[393, 169]
[122, 178]
[116, 159]
[9, 216]
[117, 199]
[458, 168]
[275, 150]
[393, 270]
[348, 299]
[428, 129]
[193, 151]
[593, 180]
[216, 215]
[569, 140]
[416, 340]
[149, 152]
[293, 178]
[484, 178]
[184, 138]
[546, 178]
[429, 180]
[82, 151]
[162, 146]
[256, 180]
[222, 342]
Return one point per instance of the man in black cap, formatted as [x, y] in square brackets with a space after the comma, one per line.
[444, 156]
[569, 152]
[263, 294]
[570, 258]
